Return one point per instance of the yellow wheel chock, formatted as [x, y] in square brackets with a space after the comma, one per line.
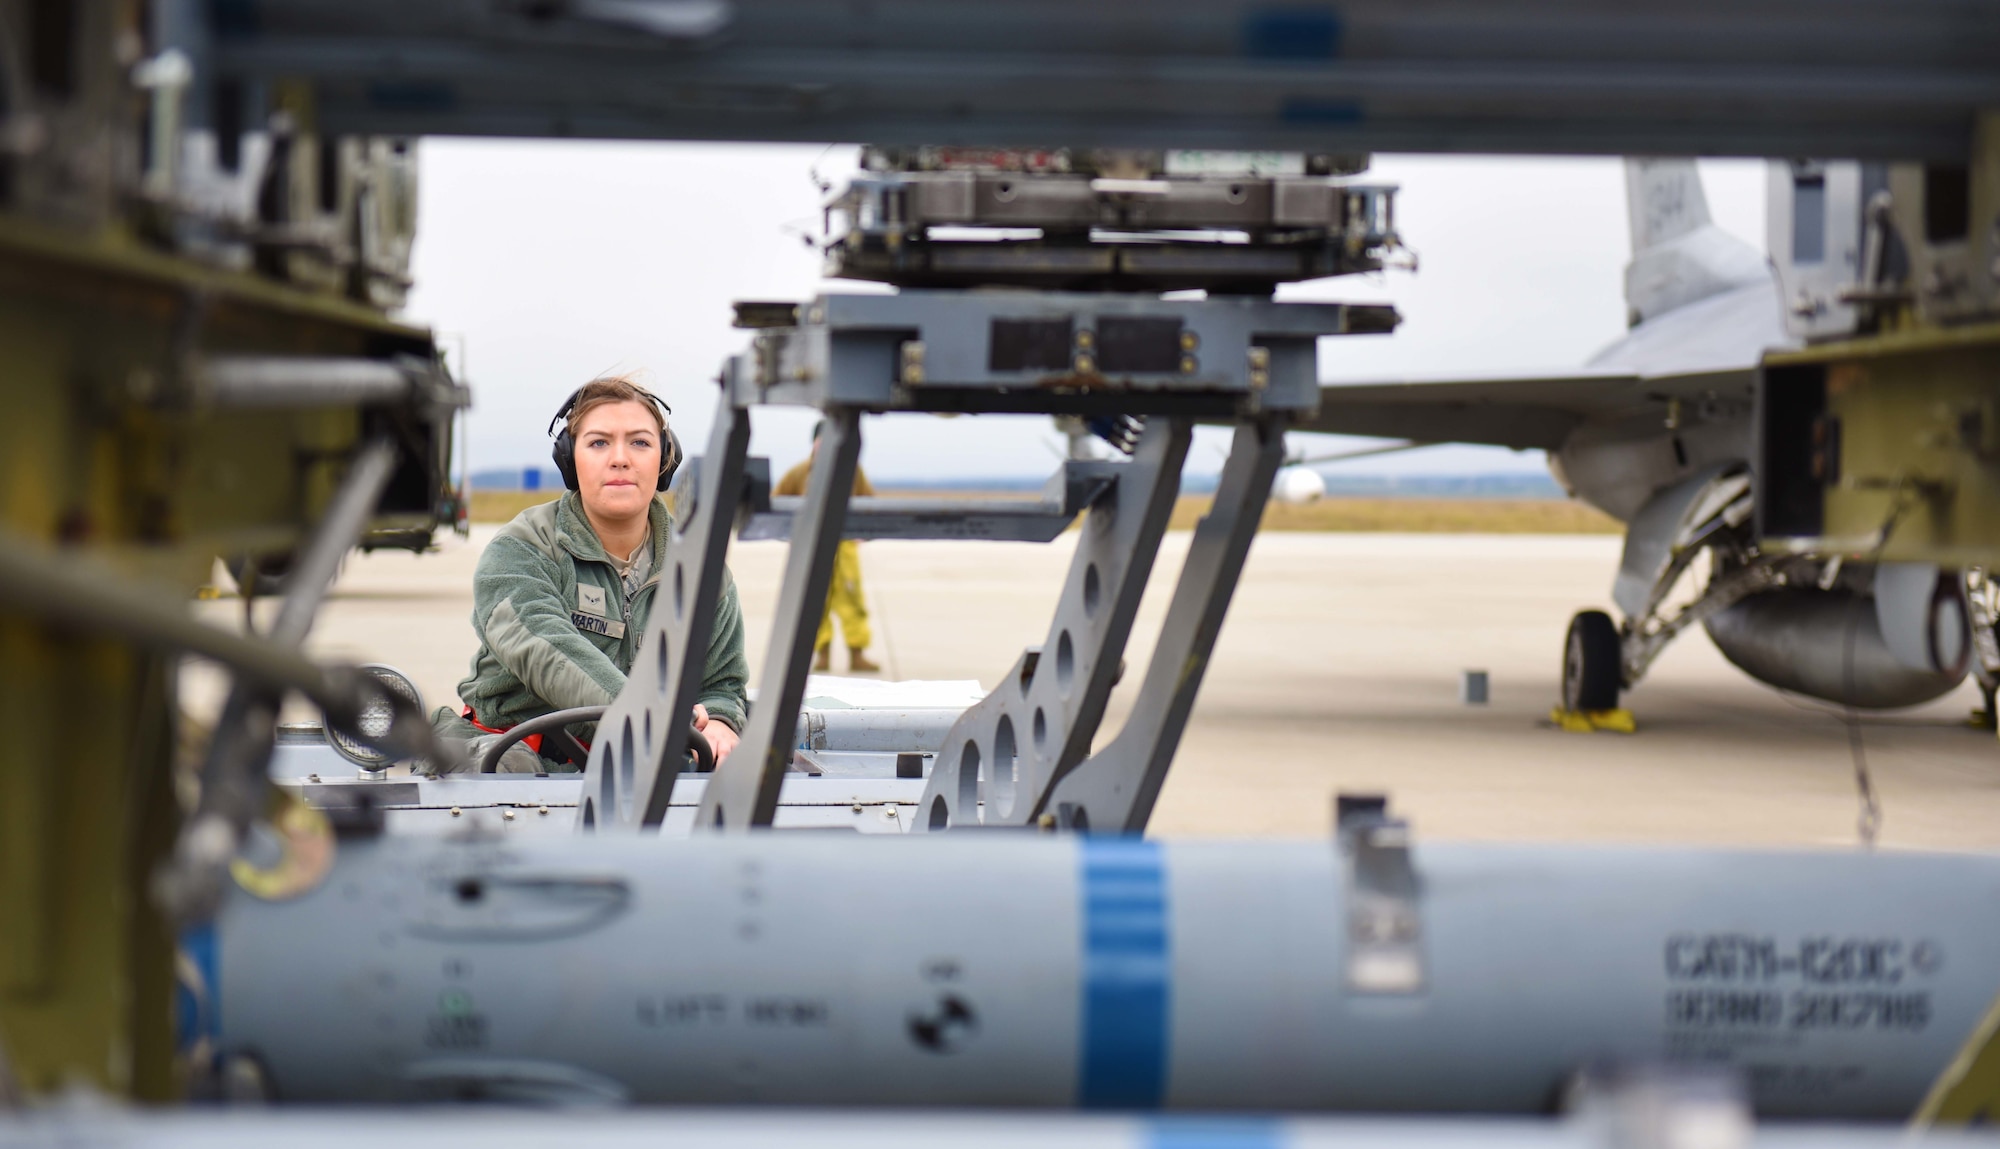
[1617, 721]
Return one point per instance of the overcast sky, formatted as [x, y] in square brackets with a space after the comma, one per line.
[552, 262]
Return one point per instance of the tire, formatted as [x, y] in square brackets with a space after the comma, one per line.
[1592, 676]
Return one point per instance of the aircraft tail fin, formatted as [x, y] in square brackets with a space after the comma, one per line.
[1663, 200]
[1679, 256]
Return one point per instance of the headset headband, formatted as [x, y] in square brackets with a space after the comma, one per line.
[569, 404]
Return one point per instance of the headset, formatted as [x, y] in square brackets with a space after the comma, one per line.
[564, 451]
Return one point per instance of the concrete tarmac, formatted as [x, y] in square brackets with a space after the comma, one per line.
[1338, 670]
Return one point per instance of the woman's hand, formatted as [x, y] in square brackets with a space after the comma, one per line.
[721, 739]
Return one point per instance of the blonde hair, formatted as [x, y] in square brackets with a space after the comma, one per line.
[614, 389]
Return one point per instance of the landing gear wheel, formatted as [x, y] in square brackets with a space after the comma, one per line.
[1591, 674]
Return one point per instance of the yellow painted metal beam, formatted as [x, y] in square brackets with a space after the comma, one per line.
[1968, 1091]
[105, 456]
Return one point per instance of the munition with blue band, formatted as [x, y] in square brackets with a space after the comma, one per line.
[1001, 970]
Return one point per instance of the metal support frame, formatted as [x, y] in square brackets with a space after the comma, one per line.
[1113, 791]
[234, 777]
[937, 351]
[744, 791]
[636, 759]
[1004, 755]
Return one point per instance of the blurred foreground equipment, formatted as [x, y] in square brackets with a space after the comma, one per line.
[1881, 437]
[1872, 78]
[192, 294]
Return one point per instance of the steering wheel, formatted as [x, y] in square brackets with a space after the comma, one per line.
[553, 726]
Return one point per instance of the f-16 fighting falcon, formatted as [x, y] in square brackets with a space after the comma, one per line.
[1658, 431]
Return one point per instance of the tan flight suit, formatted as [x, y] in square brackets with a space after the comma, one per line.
[844, 597]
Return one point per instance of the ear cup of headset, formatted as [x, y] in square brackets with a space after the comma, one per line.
[564, 455]
[563, 451]
[670, 458]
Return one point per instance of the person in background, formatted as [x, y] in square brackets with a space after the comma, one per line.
[844, 597]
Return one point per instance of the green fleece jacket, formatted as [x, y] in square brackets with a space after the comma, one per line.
[545, 645]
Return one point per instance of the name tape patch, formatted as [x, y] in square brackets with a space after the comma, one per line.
[610, 628]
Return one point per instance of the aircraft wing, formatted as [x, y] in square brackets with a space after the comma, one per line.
[1529, 411]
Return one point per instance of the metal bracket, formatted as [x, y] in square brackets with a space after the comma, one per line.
[1114, 790]
[1005, 754]
[637, 756]
[234, 778]
[1384, 928]
[1045, 353]
[744, 791]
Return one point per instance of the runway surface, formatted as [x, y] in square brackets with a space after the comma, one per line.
[1338, 671]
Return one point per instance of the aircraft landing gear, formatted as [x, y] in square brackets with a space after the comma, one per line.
[1983, 596]
[1591, 673]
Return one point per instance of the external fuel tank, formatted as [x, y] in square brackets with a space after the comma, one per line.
[1826, 644]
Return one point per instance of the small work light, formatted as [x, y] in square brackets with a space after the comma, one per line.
[376, 718]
